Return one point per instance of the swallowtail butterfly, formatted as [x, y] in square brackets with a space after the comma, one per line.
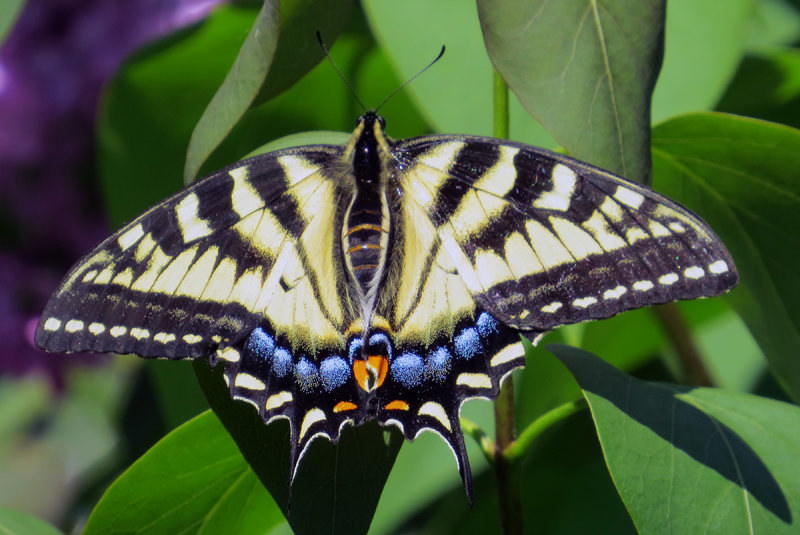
[383, 279]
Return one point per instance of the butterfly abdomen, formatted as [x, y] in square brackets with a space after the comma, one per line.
[365, 236]
[367, 222]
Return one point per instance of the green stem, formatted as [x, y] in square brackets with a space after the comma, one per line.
[519, 447]
[692, 367]
[508, 487]
[501, 117]
[479, 435]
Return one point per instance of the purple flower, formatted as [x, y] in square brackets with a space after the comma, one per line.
[53, 65]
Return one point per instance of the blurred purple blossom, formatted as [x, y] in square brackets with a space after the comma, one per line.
[53, 65]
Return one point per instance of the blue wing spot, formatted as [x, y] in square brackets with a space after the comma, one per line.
[407, 369]
[438, 365]
[381, 338]
[281, 362]
[467, 343]
[260, 343]
[306, 375]
[486, 324]
[334, 372]
[354, 348]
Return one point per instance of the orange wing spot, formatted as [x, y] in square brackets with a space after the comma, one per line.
[397, 405]
[343, 406]
[371, 373]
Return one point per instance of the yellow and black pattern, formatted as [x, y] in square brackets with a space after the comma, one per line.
[380, 280]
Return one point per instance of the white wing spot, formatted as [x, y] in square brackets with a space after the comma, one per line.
[720, 266]
[612, 209]
[297, 168]
[615, 293]
[192, 338]
[130, 236]
[436, 411]
[164, 338]
[508, 353]
[658, 230]
[635, 234]
[474, 380]
[276, 400]
[244, 198]
[552, 307]
[229, 354]
[191, 224]
[89, 275]
[73, 326]
[245, 380]
[118, 330]
[584, 302]
[668, 279]
[643, 285]
[694, 272]
[313, 416]
[629, 197]
[560, 196]
[677, 227]
[97, 328]
[52, 324]
[602, 232]
[139, 333]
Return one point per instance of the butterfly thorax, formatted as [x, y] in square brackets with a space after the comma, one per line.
[366, 228]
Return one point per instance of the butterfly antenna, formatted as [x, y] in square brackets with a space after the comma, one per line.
[339, 72]
[428, 66]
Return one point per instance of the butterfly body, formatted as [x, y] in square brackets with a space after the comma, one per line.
[382, 279]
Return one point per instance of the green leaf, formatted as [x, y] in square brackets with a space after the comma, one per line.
[767, 86]
[705, 42]
[266, 66]
[238, 91]
[586, 72]
[9, 12]
[322, 495]
[14, 522]
[740, 175]
[186, 483]
[455, 94]
[690, 461]
[141, 148]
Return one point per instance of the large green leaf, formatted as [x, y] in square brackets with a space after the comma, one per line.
[741, 175]
[690, 461]
[705, 40]
[238, 90]
[455, 94]
[193, 481]
[767, 86]
[14, 522]
[585, 70]
[266, 66]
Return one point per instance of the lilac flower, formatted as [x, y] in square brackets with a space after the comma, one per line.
[53, 65]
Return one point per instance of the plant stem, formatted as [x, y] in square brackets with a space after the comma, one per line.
[519, 447]
[507, 476]
[692, 367]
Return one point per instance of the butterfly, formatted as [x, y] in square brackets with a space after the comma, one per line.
[382, 279]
